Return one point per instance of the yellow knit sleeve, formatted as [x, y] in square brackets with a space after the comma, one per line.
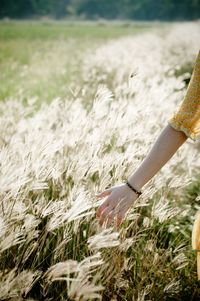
[187, 117]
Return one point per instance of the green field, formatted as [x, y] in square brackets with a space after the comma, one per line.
[41, 59]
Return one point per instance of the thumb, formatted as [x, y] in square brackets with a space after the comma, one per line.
[103, 193]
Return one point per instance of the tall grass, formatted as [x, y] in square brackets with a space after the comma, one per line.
[54, 158]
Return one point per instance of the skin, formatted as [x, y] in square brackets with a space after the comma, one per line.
[119, 198]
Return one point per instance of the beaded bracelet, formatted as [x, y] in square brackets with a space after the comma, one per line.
[135, 190]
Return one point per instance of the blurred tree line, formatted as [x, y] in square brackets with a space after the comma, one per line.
[109, 9]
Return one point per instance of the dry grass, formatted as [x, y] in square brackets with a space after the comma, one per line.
[54, 159]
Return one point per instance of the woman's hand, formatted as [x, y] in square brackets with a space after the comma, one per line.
[119, 200]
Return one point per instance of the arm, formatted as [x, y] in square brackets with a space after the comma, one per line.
[163, 149]
[120, 197]
[184, 123]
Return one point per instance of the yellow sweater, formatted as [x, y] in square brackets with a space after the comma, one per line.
[187, 117]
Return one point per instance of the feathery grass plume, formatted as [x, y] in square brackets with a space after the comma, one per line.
[181, 261]
[11, 239]
[173, 287]
[14, 284]
[55, 272]
[79, 205]
[79, 287]
[141, 295]
[163, 211]
[3, 226]
[105, 239]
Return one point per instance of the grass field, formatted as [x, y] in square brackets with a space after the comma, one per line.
[40, 59]
[81, 105]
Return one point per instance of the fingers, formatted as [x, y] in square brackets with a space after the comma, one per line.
[102, 208]
[105, 203]
[104, 215]
[107, 213]
[110, 215]
[103, 193]
[110, 218]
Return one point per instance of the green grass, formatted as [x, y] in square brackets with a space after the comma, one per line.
[42, 58]
[37, 30]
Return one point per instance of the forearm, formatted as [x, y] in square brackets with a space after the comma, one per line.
[163, 149]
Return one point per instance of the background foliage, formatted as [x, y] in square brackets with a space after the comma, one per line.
[131, 9]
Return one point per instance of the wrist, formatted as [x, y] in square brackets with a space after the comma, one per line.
[135, 183]
[136, 191]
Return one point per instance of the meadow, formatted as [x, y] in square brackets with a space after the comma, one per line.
[81, 105]
[41, 59]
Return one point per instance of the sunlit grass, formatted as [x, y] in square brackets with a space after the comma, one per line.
[55, 157]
